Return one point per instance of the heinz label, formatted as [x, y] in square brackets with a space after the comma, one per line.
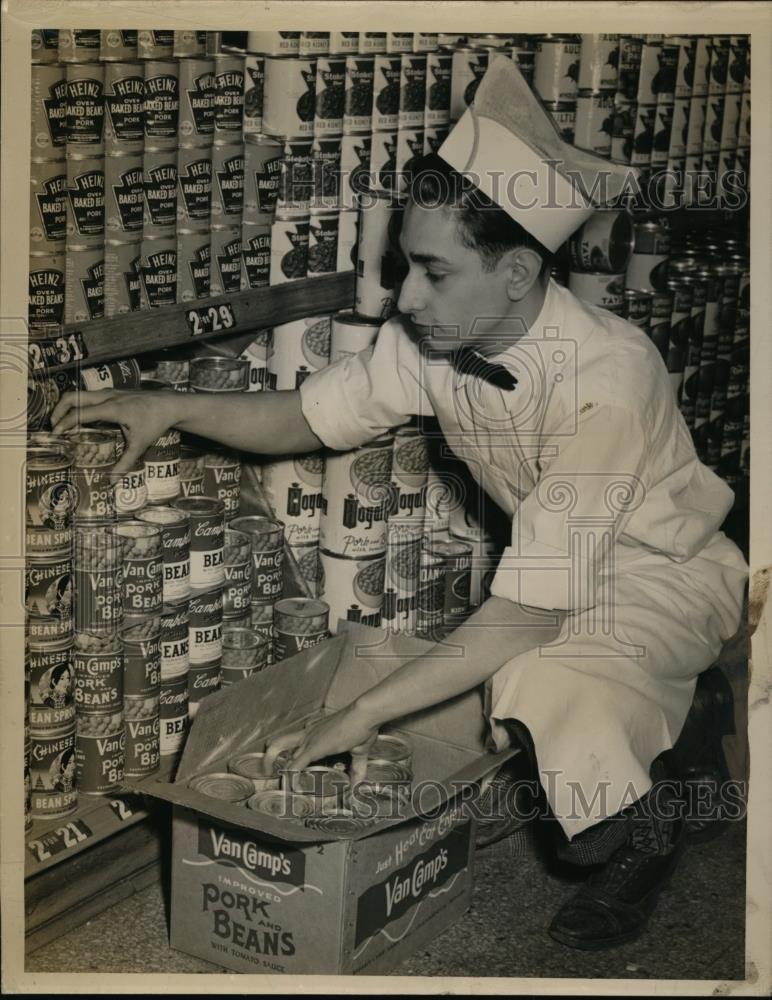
[52, 207]
[56, 112]
[256, 255]
[87, 201]
[230, 184]
[161, 107]
[161, 194]
[128, 199]
[85, 111]
[200, 101]
[93, 289]
[124, 109]
[195, 180]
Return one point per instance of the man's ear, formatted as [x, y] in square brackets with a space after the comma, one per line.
[523, 266]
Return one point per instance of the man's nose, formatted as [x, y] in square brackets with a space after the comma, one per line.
[410, 298]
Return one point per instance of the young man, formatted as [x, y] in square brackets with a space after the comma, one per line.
[617, 589]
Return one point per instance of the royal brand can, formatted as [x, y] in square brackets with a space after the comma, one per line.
[99, 753]
[275, 43]
[155, 44]
[256, 253]
[330, 94]
[348, 233]
[173, 716]
[383, 160]
[376, 279]
[193, 264]
[254, 87]
[98, 682]
[207, 529]
[412, 90]
[237, 590]
[594, 122]
[98, 579]
[44, 45]
[142, 592]
[358, 495]
[161, 105]
[86, 200]
[175, 539]
[50, 672]
[556, 67]
[604, 290]
[189, 43]
[353, 588]
[430, 596]
[289, 250]
[350, 334]
[630, 49]
[142, 735]
[293, 488]
[175, 660]
[599, 63]
[159, 170]
[226, 260]
[355, 152]
[205, 627]
[358, 93]
[295, 180]
[50, 499]
[372, 41]
[227, 182]
[267, 540]
[222, 479]
[158, 270]
[410, 149]
[228, 80]
[117, 46]
[124, 195]
[299, 623]
[401, 581]
[94, 454]
[604, 243]
[299, 348]
[49, 111]
[52, 772]
[468, 68]
[48, 205]
[322, 243]
[326, 169]
[85, 108]
[262, 174]
[194, 179]
[289, 95]
[191, 472]
[243, 654]
[196, 88]
[124, 90]
[257, 354]
[564, 118]
[307, 559]
[46, 290]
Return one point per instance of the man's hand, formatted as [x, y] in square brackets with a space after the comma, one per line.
[142, 416]
[346, 730]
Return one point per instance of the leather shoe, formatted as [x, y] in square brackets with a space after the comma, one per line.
[504, 808]
[615, 903]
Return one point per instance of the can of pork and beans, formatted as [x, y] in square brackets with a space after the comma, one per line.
[207, 533]
[237, 560]
[298, 623]
[175, 540]
[358, 496]
[267, 543]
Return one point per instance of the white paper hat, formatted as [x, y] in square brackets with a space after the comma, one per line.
[509, 147]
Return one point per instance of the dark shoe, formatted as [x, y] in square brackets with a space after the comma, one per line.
[504, 810]
[614, 904]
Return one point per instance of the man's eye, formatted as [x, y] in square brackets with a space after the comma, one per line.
[434, 277]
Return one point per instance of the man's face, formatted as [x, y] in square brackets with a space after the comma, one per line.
[447, 294]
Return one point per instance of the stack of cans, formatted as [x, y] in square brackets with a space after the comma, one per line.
[266, 546]
[599, 254]
[596, 88]
[556, 77]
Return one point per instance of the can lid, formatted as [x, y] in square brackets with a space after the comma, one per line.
[252, 765]
[240, 637]
[342, 822]
[301, 607]
[222, 785]
[280, 804]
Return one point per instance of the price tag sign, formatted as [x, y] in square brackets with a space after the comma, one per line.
[54, 842]
[64, 350]
[210, 319]
[121, 808]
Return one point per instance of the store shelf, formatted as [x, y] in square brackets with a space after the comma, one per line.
[191, 322]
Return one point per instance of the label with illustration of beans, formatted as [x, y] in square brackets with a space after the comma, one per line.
[237, 590]
[325, 172]
[207, 530]
[46, 290]
[124, 195]
[409, 474]
[203, 679]
[254, 86]
[174, 640]
[353, 588]
[355, 151]
[226, 259]
[262, 175]
[52, 772]
[295, 178]
[330, 94]
[289, 250]
[289, 96]
[142, 749]
[86, 200]
[49, 110]
[228, 79]
[161, 106]
[159, 173]
[174, 715]
[85, 108]
[196, 88]
[467, 70]
[299, 348]
[205, 618]
[293, 487]
[84, 284]
[358, 95]
[99, 753]
[256, 253]
[158, 271]
[267, 539]
[358, 495]
[412, 92]
[48, 204]
[142, 661]
[387, 70]
[227, 182]
[124, 99]
[98, 681]
[193, 264]
[194, 179]
[299, 623]
[322, 243]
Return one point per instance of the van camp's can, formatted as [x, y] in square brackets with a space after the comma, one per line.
[430, 596]
[94, 454]
[412, 90]
[44, 45]
[193, 264]
[175, 540]
[295, 180]
[222, 479]
[299, 623]
[142, 737]
[594, 122]
[348, 231]
[205, 627]
[604, 243]
[719, 64]
[153, 44]
[256, 253]
[267, 539]
[117, 46]
[358, 494]
[358, 93]
[556, 67]
[173, 716]
[158, 271]
[350, 334]
[196, 88]
[175, 660]
[604, 290]
[207, 529]
[383, 160]
[343, 42]
[124, 195]
[227, 183]
[237, 559]
[169, 367]
[98, 580]
[468, 68]
[159, 169]
[564, 118]
[142, 591]
[299, 348]
[330, 94]
[226, 260]
[289, 250]
[599, 63]
[372, 41]
[325, 172]
[191, 472]
[99, 753]
[161, 106]
[227, 787]
[85, 108]
[293, 487]
[194, 179]
[50, 499]
[189, 43]
[403, 554]
[124, 90]
[52, 772]
[98, 682]
[289, 95]
[376, 280]
[322, 243]
[46, 290]
[355, 152]
[274, 43]
[142, 660]
[261, 623]
[86, 200]
[254, 88]
[48, 204]
[228, 80]
[52, 679]
[262, 175]
[353, 588]
[49, 111]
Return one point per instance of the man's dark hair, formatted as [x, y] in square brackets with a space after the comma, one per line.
[482, 225]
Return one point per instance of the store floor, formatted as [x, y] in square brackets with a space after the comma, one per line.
[697, 931]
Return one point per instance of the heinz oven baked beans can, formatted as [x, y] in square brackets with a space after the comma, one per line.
[86, 200]
[46, 290]
[193, 264]
[228, 97]
[124, 196]
[124, 103]
[49, 111]
[85, 108]
[158, 270]
[48, 204]
[196, 88]
[161, 107]
[256, 253]
[227, 183]
[289, 96]
[194, 180]
[226, 259]
[262, 175]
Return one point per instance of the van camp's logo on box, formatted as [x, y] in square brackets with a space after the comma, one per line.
[430, 874]
[232, 847]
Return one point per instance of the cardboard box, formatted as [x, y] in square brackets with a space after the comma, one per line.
[255, 893]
